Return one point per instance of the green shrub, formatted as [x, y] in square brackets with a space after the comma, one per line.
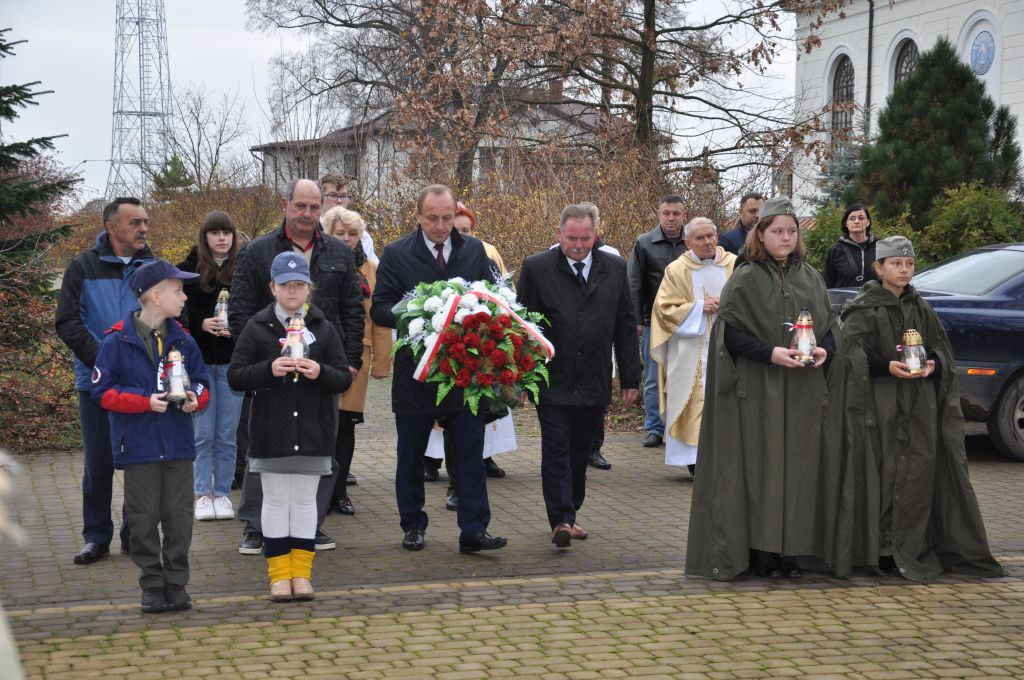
[969, 216]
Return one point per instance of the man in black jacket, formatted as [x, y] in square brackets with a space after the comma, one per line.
[435, 251]
[583, 292]
[652, 252]
[336, 293]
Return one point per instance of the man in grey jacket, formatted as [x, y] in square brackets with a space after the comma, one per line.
[652, 252]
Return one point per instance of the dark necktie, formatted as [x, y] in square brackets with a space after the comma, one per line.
[440, 256]
[579, 274]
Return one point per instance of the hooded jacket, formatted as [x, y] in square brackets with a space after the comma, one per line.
[94, 294]
[846, 260]
[124, 378]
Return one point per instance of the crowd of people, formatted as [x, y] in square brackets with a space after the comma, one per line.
[830, 450]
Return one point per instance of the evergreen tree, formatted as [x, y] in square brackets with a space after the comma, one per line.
[173, 177]
[939, 129]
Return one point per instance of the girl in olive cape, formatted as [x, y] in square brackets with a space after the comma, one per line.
[769, 456]
[909, 506]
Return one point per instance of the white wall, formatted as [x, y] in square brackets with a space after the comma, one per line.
[923, 21]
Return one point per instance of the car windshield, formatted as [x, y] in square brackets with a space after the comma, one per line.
[972, 274]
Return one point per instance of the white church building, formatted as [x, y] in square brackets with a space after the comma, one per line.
[863, 55]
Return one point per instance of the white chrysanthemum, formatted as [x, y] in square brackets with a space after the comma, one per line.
[447, 293]
[459, 281]
[461, 315]
[437, 322]
[479, 286]
[433, 303]
[467, 301]
[482, 308]
[507, 294]
[430, 339]
[416, 327]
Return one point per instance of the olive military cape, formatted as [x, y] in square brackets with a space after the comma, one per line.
[907, 492]
[770, 437]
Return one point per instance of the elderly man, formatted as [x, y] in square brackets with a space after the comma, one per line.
[750, 209]
[652, 252]
[94, 295]
[681, 320]
[583, 293]
[434, 251]
[337, 294]
[336, 193]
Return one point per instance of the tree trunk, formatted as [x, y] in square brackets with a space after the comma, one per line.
[645, 86]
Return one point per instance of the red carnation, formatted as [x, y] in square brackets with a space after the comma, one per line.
[496, 330]
[498, 357]
[517, 340]
[489, 346]
[505, 320]
[463, 378]
[484, 379]
[471, 340]
[507, 377]
[473, 363]
[449, 338]
[445, 367]
[527, 361]
[482, 317]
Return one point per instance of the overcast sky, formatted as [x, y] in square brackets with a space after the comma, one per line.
[70, 49]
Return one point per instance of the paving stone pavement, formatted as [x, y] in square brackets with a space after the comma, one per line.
[616, 605]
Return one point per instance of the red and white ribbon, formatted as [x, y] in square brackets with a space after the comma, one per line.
[448, 311]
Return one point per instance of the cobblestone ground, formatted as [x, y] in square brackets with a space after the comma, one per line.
[616, 605]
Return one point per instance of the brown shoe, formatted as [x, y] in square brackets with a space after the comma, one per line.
[302, 589]
[562, 536]
[281, 591]
[578, 533]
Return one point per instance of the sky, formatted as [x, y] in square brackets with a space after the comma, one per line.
[70, 49]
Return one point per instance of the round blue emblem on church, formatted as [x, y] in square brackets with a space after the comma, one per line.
[983, 52]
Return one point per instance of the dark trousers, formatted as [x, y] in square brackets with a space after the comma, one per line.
[566, 440]
[599, 435]
[251, 504]
[242, 438]
[98, 476]
[344, 449]
[467, 430]
[159, 497]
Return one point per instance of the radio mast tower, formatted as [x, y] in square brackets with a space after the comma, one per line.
[142, 98]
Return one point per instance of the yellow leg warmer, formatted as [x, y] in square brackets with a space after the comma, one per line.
[302, 563]
[279, 568]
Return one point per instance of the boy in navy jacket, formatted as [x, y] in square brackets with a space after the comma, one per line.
[152, 441]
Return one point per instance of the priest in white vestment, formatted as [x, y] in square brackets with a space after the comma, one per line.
[684, 310]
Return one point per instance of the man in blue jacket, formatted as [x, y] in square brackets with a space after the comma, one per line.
[94, 295]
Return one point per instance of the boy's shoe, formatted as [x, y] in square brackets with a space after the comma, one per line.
[323, 541]
[177, 598]
[204, 509]
[252, 543]
[153, 601]
[222, 507]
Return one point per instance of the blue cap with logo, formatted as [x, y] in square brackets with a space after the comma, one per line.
[152, 273]
[289, 266]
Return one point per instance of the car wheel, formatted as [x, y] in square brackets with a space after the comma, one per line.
[1006, 424]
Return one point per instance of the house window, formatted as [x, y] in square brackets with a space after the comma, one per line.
[351, 165]
[906, 60]
[306, 165]
[842, 93]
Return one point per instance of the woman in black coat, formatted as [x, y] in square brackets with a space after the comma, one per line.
[848, 261]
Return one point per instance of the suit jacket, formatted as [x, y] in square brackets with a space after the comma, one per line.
[404, 264]
[585, 326]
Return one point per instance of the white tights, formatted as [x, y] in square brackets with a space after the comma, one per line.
[289, 505]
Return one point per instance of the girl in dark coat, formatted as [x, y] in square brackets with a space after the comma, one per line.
[294, 414]
[848, 261]
[213, 258]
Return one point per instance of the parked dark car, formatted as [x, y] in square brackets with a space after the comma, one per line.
[979, 297]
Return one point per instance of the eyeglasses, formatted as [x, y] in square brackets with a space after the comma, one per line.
[856, 218]
[336, 197]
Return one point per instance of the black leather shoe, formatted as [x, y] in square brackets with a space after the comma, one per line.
[323, 541]
[344, 506]
[451, 498]
[413, 539]
[351, 480]
[431, 473]
[177, 598]
[652, 440]
[493, 470]
[481, 541]
[598, 461]
[252, 543]
[153, 601]
[91, 552]
[789, 569]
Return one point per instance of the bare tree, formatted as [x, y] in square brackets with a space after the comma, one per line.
[207, 136]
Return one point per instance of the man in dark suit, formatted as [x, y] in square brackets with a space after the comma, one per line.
[584, 293]
[435, 251]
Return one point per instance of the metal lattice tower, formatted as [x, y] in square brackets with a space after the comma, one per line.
[142, 98]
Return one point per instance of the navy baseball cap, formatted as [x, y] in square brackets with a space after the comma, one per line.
[152, 273]
[289, 266]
